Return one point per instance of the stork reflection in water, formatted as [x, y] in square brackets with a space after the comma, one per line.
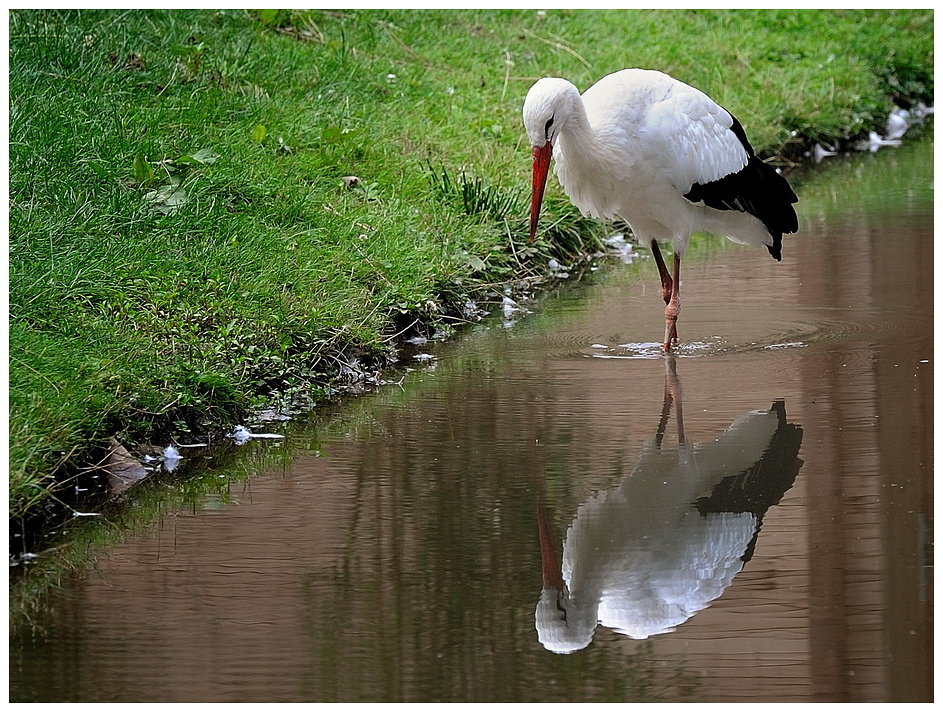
[643, 557]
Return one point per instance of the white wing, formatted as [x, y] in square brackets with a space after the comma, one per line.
[670, 125]
[690, 137]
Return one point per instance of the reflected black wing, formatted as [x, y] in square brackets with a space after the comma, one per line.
[764, 484]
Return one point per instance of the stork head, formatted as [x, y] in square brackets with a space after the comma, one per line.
[561, 626]
[547, 108]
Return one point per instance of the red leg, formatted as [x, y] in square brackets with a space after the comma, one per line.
[662, 272]
[673, 308]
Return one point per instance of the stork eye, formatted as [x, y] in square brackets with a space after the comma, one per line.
[547, 127]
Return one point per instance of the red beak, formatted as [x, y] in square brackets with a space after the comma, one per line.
[541, 167]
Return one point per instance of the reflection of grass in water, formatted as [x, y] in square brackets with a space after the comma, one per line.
[650, 678]
[185, 226]
[870, 184]
[78, 542]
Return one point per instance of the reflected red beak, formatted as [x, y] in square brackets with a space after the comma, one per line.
[541, 168]
[550, 566]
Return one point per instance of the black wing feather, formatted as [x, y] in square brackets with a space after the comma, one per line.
[756, 189]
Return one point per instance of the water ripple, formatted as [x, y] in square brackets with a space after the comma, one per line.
[824, 326]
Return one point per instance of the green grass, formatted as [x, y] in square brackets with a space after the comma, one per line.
[183, 244]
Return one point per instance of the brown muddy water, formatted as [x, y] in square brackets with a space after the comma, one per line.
[549, 510]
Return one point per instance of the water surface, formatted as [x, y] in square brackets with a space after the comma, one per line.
[747, 521]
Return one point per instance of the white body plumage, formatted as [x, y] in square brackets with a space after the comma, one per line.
[633, 145]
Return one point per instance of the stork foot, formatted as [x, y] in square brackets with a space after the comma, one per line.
[672, 311]
[671, 337]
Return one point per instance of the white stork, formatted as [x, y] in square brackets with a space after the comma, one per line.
[661, 155]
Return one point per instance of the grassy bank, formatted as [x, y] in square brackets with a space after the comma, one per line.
[186, 238]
